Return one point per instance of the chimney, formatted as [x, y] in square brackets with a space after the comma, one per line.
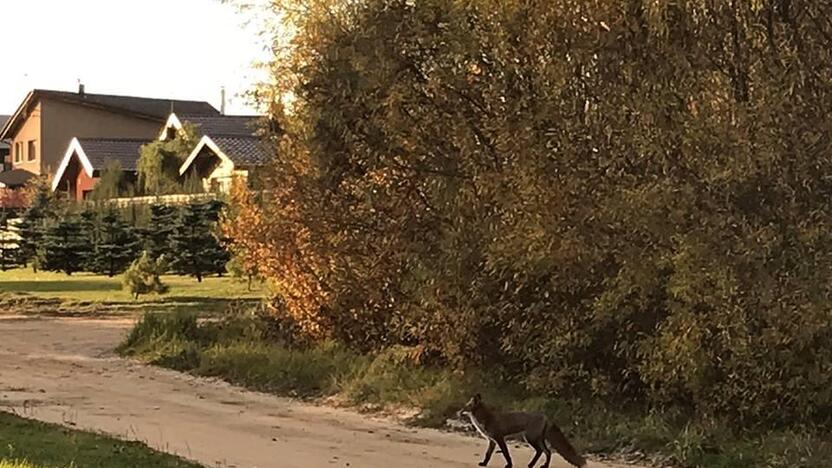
[222, 100]
[81, 89]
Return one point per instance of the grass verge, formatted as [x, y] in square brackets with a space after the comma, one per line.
[32, 444]
[24, 292]
[239, 350]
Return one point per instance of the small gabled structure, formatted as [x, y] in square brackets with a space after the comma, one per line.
[217, 160]
[86, 158]
[229, 146]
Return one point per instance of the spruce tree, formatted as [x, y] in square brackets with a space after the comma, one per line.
[65, 246]
[195, 249]
[163, 219]
[116, 245]
[33, 226]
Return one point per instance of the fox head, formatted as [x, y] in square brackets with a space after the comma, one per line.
[473, 404]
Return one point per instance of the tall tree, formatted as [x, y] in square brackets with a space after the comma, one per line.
[116, 246]
[157, 235]
[65, 245]
[195, 248]
[629, 198]
[32, 227]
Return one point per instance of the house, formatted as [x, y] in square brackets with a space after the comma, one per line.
[217, 160]
[86, 159]
[46, 121]
[229, 147]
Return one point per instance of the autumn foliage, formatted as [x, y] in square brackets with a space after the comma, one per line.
[621, 198]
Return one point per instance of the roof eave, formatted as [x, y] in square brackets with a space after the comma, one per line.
[4, 133]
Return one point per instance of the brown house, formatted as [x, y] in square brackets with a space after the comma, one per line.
[43, 126]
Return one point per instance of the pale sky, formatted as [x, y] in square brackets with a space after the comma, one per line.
[182, 49]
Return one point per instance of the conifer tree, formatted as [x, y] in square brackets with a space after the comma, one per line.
[116, 245]
[163, 218]
[195, 248]
[65, 246]
[33, 226]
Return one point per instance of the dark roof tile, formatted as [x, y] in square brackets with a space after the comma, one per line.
[243, 151]
[103, 151]
[150, 107]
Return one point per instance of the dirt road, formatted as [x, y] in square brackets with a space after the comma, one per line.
[64, 371]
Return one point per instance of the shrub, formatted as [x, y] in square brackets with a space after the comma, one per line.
[567, 192]
[144, 276]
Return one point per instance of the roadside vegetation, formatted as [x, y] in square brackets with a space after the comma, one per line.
[32, 444]
[262, 355]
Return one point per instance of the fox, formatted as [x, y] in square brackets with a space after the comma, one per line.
[535, 428]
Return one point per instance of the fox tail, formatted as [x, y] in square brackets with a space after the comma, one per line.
[562, 446]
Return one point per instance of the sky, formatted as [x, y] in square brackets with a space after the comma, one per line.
[172, 49]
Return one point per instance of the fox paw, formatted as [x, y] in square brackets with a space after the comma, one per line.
[483, 464]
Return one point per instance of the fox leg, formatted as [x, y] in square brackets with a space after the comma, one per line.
[538, 450]
[548, 452]
[504, 448]
[488, 453]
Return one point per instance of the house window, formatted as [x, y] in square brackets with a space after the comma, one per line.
[32, 154]
[17, 152]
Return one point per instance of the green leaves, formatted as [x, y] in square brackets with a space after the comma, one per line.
[626, 198]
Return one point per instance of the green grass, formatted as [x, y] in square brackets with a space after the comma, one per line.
[42, 291]
[31, 444]
[240, 350]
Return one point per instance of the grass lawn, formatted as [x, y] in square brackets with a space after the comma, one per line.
[82, 290]
[31, 444]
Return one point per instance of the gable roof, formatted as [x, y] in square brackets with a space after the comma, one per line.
[140, 107]
[95, 154]
[242, 151]
[101, 152]
[214, 125]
